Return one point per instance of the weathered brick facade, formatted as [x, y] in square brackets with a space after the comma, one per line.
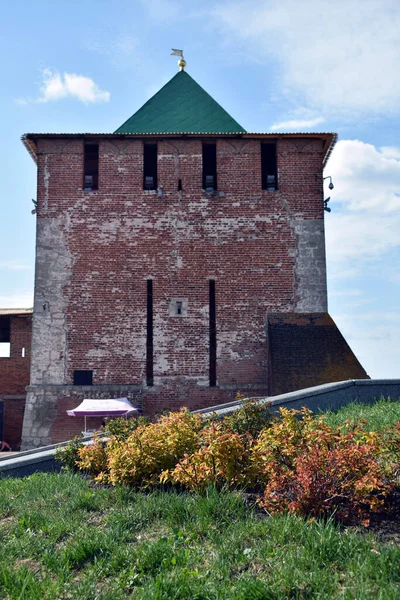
[305, 349]
[97, 250]
[14, 377]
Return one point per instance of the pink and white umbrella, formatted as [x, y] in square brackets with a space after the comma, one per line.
[110, 407]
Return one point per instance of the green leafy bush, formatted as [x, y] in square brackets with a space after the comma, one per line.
[251, 418]
[122, 428]
[69, 455]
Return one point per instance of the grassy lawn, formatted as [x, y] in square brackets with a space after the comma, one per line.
[377, 416]
[63, 538]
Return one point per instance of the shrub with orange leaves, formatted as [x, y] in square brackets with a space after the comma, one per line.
[93, 458]
[346, 482]
[154, 448]
[297, 462]
[313, 469]
[221, 459]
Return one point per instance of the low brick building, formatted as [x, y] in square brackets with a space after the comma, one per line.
[15, 355]
[161, 251]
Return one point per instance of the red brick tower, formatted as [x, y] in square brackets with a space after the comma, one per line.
[172, 255]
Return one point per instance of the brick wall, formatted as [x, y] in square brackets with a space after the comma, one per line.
[111, 240]
[14, 377]
[308, 350]
[13, 417]
[14, 371]
[95, 251]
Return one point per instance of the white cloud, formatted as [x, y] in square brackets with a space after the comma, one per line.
[12, 265]
[363, 248]
[122, 51]
[374, 339]
[296, 125]
[390, 152]
[346, 294]
[17, 301]
[365, 219]
[57, 86]
[338, 55]
[162, 10]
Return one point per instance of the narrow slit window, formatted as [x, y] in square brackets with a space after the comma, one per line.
[149, 344]
[213, 335]
[150, 166]
[23, 353]
[83, 377]
[269, 173]
[91, 167]
[209, 166]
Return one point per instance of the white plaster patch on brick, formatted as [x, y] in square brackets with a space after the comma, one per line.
[40, 412]
[203, 381]
[46, 183]
[95, 353]
[53, 271]
[204, 311]
[164, 156]
[226, 342]
[178, 303]
[310, 266]
[161, 363]
[107, 230]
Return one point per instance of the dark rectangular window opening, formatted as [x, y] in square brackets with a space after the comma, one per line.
[149, 344]
[83, 377]
[209, 166]
[5, 329]
[91, 167]
[269, 172]
[213, 336]
[149, 166]
[5, 333]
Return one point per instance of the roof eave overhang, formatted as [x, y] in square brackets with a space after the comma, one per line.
[30, 139]
[16, 312]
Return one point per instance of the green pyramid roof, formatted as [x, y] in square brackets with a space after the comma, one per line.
[181, 106]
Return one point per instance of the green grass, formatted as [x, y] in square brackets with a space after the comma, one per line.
[63, 538]
[377, 415]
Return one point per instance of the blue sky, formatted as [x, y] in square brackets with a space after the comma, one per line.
[316, 65]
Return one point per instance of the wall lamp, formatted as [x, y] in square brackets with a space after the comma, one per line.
[331, 186]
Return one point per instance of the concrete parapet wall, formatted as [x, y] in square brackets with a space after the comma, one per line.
[323, 397]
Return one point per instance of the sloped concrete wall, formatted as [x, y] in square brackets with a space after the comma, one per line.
[330, 396]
